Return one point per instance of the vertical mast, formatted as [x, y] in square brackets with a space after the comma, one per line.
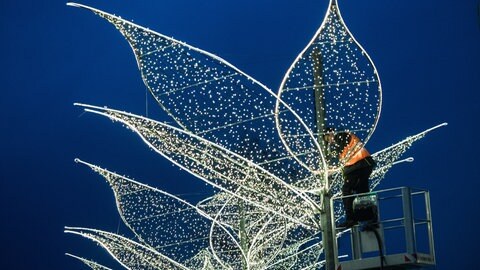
[326, 214]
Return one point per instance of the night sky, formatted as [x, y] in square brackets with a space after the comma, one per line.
[427, 54]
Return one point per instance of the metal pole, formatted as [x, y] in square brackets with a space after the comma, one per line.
[408, 220]
[328, 233]
[326, 213]
[430, 225]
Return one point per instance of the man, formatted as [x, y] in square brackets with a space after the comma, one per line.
[357, 165]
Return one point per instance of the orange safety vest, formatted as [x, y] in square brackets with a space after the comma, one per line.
[354, 151]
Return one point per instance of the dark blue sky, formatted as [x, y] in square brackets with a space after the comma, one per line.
[427, 53]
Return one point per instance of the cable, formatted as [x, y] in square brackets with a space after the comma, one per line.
[371, 227]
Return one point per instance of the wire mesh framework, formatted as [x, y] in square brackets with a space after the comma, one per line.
[260, 149]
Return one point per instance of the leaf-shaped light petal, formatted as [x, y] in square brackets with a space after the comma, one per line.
[226, 248]
[332, 83]
[159, 219]
[93, 265]
[208, 96]
[300, 254]
[219, 167]
[269, 239]
[204, 261]
[259, 234]
[390, 156]
[130, 254]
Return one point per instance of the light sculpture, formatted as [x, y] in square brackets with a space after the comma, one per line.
[260, 149]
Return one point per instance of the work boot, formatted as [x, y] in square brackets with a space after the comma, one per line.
[350, 219]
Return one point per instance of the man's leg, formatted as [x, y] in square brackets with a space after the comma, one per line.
[347, 189]
[355, 182]
[362, 184]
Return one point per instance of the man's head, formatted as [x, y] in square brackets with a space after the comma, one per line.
[329, 134]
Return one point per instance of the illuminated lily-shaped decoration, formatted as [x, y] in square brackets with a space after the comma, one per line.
[259, 148]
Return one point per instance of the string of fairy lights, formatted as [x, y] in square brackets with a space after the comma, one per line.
[258, 148]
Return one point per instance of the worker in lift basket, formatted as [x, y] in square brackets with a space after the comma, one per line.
[357, 165]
